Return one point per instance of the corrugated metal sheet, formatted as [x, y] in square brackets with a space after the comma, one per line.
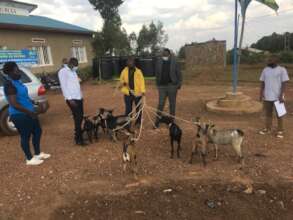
[40, 22]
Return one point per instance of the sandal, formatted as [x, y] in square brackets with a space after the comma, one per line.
[264, 131]
[280, 134]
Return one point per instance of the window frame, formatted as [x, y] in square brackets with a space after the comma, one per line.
[76, 52]
[41, 56]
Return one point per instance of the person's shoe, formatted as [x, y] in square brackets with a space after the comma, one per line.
[264, 131]
[280, 134]
[42, 156]
[34, 162]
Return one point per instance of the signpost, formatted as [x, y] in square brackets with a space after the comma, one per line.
[24, 57]
[235, 51]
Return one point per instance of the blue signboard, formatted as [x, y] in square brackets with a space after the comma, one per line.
[26, 57]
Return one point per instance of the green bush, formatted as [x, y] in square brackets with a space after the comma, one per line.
[85, 73]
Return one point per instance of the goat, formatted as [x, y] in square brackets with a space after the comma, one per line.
[218, 137]
[114, 122]
[200, 144]
[88, 127]
[129, 155]
[175, 134]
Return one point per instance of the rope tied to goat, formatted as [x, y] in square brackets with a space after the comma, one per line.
[144, 108]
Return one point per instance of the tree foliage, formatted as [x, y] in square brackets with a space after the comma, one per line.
[151, 38]
[112, 38]
[274, 43]
[108, 8]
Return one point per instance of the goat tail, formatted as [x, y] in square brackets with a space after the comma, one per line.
[240, 132]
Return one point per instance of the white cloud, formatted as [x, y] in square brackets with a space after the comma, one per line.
[185, 20]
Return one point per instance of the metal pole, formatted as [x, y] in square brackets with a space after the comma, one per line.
[235, 51]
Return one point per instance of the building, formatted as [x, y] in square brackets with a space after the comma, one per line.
[208, 53]
[53, 40]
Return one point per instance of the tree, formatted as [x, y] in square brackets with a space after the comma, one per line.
[181, 52]
[112, 39]
[108, 8]
[151, 38]
[274, 43]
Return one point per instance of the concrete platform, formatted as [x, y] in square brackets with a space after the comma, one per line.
[236, 104]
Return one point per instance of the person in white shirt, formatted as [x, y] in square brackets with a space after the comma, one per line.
[273, 83]
[72, 93]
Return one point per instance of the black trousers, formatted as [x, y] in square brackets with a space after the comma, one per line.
[77, 112]
[129, 100]
[165, 92]
[28, 127]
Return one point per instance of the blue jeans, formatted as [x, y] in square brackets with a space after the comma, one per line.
[27, 128]
[129, 100]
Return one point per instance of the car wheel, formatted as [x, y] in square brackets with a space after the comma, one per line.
[6, 125]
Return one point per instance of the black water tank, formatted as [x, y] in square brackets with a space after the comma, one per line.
[122, 63]
[106, 68]
[147, 67]
[95, 68]
[116, 66]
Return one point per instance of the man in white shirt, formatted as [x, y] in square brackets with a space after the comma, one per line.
[71, 90]
[273, 78]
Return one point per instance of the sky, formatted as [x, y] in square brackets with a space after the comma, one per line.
[185, 21]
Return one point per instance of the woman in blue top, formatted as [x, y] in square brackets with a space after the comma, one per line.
[22, 114]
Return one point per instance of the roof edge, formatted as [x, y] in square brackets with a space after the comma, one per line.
[43, 29]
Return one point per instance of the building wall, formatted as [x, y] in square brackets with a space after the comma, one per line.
[60, 44]
[209, 53]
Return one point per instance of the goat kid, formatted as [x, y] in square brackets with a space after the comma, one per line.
[129, 155]
[200, 144]
[88, 128]
[175, 134]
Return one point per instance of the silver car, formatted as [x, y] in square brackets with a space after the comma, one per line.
[36, 92]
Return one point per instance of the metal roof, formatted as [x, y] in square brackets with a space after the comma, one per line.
[28, 6]
[40, 23]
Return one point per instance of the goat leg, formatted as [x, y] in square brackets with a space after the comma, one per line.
[89, 134]
[172, 148]
[216, 151]
[179, 149]
[203, 158]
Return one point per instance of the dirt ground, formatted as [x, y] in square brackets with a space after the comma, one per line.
[88, 183]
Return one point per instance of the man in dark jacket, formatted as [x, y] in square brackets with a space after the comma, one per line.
[169, 80]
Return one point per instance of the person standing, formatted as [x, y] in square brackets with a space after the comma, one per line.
[133, 87]
[72, 93]
[273, 83]
[23, 115]
[169, 80]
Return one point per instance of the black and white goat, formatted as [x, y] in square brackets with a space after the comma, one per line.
[116, 122]
[175, 134]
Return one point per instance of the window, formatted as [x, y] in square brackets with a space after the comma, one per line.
[80, 54]
[44, 55]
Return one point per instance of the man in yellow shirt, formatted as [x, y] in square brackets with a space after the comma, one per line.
[132, 86]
